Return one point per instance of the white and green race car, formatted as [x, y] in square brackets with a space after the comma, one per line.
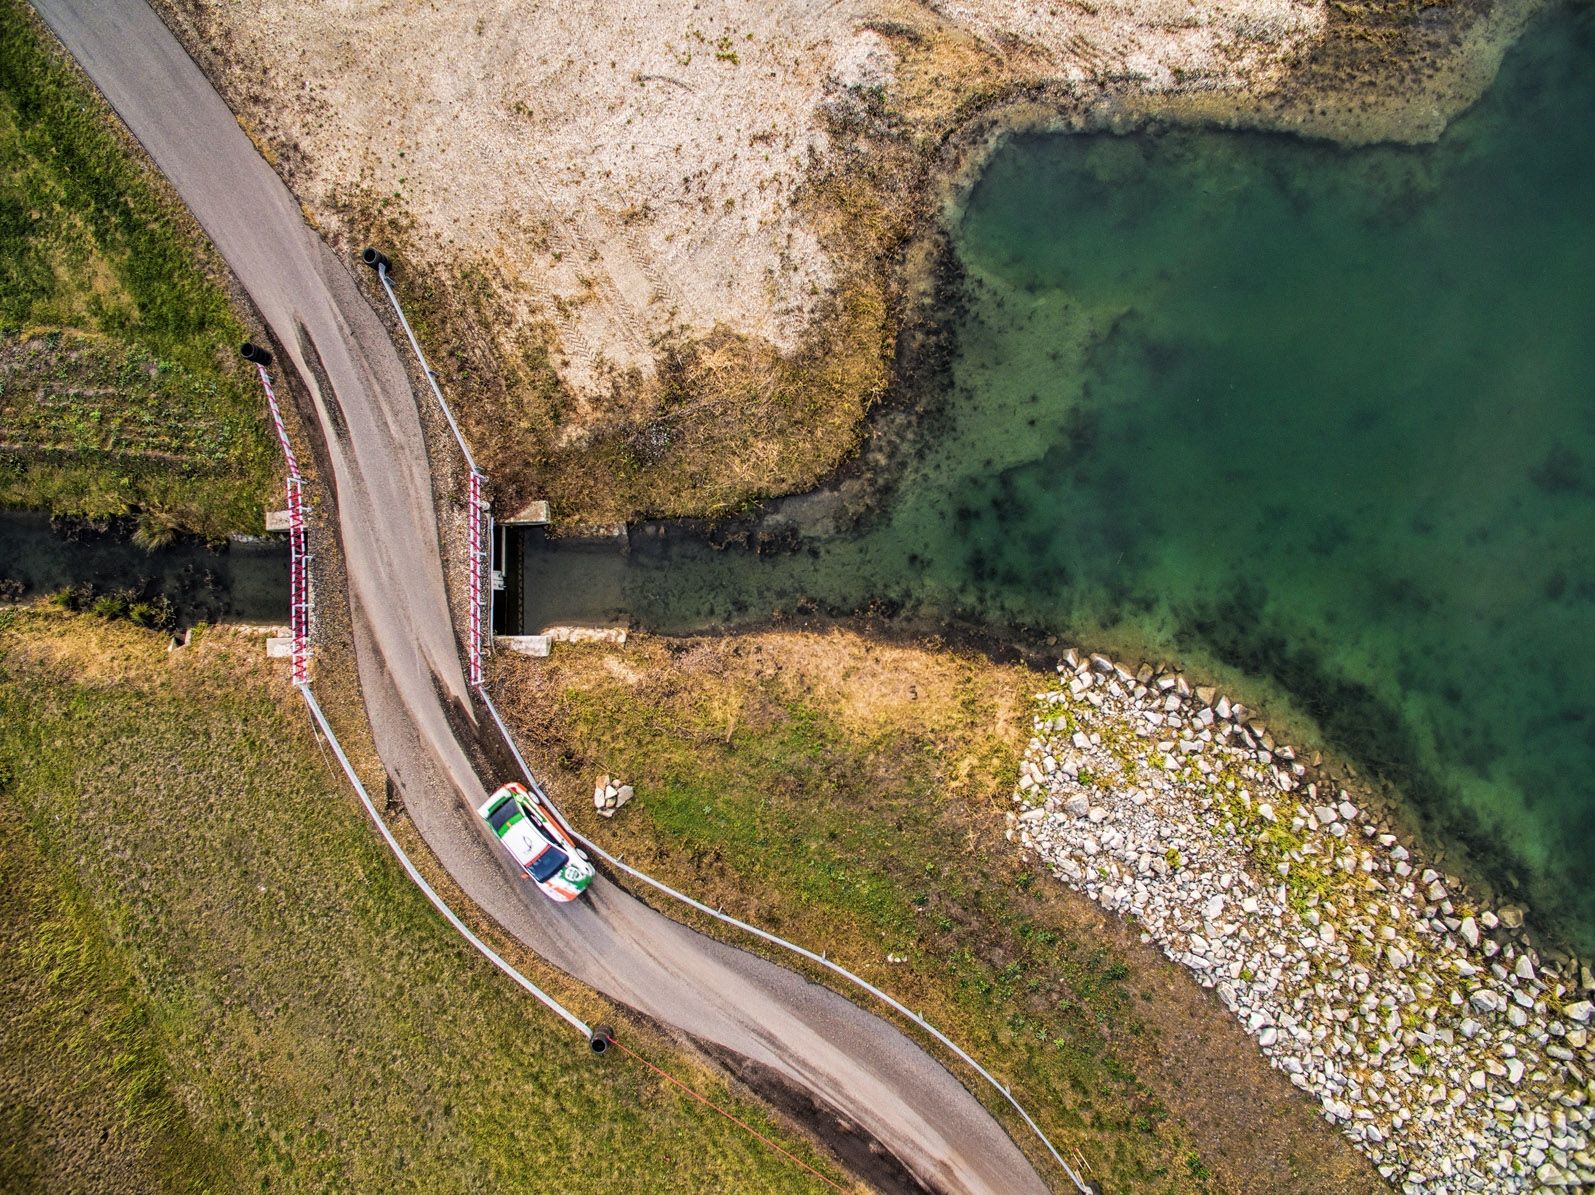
[537, 842]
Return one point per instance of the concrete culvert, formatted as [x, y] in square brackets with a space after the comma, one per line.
[254, 354]
[377, 261]
[601, 1039]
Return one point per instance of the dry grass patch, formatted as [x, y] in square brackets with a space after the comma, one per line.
[257, 997]
[849, 794]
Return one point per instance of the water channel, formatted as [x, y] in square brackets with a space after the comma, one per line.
[244, 581]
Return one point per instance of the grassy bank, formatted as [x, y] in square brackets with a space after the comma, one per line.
[120, 386]
[218, 979]
[725, 419]
[849, 795]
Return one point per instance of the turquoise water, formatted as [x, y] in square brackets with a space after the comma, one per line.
[1316, 421]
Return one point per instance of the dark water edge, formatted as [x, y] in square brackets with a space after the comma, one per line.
[1315, 424]
[239, 581]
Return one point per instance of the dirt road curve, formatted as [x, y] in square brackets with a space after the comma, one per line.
[410, 671]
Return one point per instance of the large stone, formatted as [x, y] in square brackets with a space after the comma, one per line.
[1470, 931]
[1579, 1012]
[624, 794]
[1078, 805]
[1511, 916]
[1485, 1000]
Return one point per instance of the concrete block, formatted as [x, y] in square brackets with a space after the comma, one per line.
[534, 513]
[526, 645]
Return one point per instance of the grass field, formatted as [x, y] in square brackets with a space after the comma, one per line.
[850, 795]
[217, 979]
[120, 386]
[846, 833]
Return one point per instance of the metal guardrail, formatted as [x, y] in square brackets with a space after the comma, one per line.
[427, 890]
[835, 968]
[302, 609]
[380, 264]
[478, 512]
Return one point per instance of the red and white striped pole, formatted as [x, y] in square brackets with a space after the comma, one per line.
[479, 561]
[300, 598]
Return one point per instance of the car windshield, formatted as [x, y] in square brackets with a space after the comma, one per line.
[546, 866]
[502, 815]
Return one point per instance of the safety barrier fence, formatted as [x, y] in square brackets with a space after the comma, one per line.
[600, 1037]
[299, 597]
[479, 511]
[764, 935]
[302, 611]
[419, 880]
[478, 514]
[478, 533]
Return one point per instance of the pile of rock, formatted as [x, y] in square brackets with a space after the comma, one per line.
[1428, 1029]
[609, 795]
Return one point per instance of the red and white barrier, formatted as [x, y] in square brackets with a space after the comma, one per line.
[481, 560]
[299, 608]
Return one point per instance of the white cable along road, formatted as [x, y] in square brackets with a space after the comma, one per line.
[359, 400]
[380, 263]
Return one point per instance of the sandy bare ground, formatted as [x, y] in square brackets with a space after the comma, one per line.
[585, 186]
[633, 168]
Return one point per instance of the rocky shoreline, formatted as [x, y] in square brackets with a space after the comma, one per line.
[1429, 1029]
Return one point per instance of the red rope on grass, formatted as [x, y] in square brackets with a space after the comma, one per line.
[733, 1119]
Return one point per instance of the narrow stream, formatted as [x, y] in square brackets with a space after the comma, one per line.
[245, 581]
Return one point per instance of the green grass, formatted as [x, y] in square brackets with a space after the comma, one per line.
[856, 839]
[85, 1084]
[213, 961]
[849, 794]
[120, 386]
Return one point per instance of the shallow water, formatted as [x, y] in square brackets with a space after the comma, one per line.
[245, 581]
[1317, 421]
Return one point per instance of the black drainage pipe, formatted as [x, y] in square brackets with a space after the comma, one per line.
[254, 354]
[601, 1039]
[377, 261]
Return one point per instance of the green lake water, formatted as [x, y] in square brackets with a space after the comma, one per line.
[1317, 422]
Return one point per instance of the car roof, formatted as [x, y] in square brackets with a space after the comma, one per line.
[523, 841]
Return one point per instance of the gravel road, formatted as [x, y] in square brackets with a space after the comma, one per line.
[425, 723]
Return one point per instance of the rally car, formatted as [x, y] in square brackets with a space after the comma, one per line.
[537, 842]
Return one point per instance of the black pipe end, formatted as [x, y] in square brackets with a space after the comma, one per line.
[601, 1039]
[377, 261]
[254, 354]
